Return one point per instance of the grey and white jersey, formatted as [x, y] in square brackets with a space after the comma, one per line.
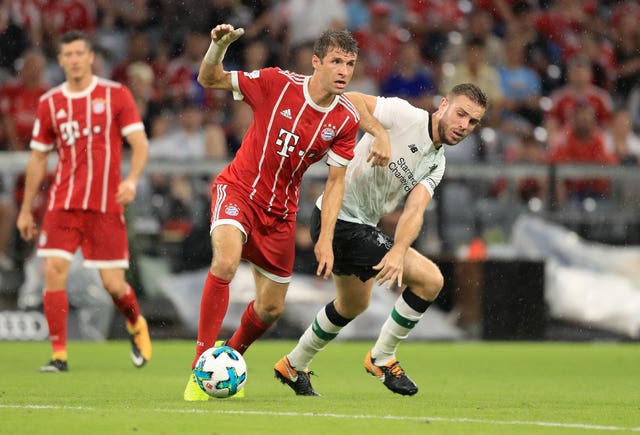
[373, 192]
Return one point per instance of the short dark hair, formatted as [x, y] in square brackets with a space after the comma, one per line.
[340, 39]
[74, 35]
[470, 91]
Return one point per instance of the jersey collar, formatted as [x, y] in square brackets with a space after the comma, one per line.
[307, 97]
[67, 93]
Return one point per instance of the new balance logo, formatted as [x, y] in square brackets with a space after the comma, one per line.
[413, 148]
[286, 113]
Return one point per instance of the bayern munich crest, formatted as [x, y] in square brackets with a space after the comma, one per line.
[328, 133]
[99, 106]
[232, 210]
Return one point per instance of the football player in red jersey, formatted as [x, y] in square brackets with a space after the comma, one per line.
[84, 120]
[298, 120]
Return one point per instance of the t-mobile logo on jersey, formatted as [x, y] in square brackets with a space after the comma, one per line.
[70, 131]
[287, 142]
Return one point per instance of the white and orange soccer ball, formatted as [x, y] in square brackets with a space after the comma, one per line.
[221, 371]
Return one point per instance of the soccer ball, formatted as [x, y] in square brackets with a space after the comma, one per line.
[221, 371]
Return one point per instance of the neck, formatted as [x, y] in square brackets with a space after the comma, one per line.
[319, 96]
[79, 84]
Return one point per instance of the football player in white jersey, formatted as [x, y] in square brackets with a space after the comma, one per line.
[364, 254]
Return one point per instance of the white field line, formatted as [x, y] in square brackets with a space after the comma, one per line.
[355, 417]
[408, 418]
[73, 408]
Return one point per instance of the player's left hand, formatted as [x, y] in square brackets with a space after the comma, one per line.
[324, 256]
[126, 192]
[380, 152]
[391, 268]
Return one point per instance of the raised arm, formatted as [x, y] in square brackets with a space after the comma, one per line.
[380, 152]
[212, 74]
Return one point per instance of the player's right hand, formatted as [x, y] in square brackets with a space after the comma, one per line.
[26, 226]
[225, 34]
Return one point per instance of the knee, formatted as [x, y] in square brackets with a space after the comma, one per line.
[224, 267]
[55, 273]
[352, 309]
[114, 287]
[268, 312]
[430, 285]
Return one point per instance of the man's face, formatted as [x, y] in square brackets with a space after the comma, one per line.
[458, 118]
[76, 59]
[335, 70]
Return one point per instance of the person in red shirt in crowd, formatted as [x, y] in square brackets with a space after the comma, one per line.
[298, 120]
[84, 120]
[19, 99]
[582, 141]
[379, 42]
[430, 22]
[563, 22]
[578, 89]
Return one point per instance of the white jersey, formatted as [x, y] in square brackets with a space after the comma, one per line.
[373, 192]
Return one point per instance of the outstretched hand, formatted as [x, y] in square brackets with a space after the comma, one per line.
[380, 152]
[225, 34]
[391, 269]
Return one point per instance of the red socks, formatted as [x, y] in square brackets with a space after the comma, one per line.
[251, 328]
[127, 304]
[56, 308]
[213, 308]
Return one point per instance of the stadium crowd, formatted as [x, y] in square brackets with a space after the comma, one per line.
[562, 76]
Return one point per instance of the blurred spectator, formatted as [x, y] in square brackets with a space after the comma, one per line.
[599, 51]
[541, 54]
[520, 85]
[59, 16]
[526, 150]
[299, 22]
[251, 16]
[621, 140]
[182, 73]
[300, 60]
[379, 42]
[562, 22]
[582, 141]
[13, 39]
[139, 50]
[256, 55]
[480, 24]
[236, 128]
[411, 79]
[358, 15]
[7, 219]
[361, 81]
[473, 68]
[191, 140]
[19, 100]
[626, 39]
[430, 23]
[578, 89]
[140, 80]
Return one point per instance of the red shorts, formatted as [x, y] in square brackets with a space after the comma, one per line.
[270, 241]
[101, 236]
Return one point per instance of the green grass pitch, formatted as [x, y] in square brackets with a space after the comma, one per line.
[465, 388]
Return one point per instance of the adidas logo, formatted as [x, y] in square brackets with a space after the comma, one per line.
[61, 114]
[286, 113]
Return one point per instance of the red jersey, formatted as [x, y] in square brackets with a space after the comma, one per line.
[289, 133]
[86, 129]
[566, 100]
[19, 102]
